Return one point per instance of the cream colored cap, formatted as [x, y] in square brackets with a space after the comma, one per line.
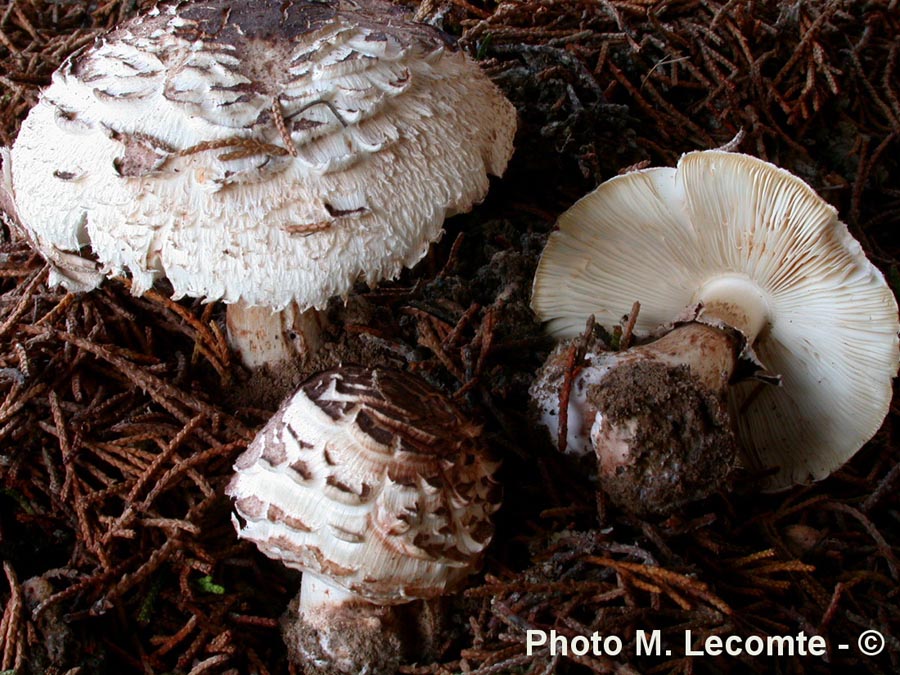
[264, 151]
[372, 479]
[725, 223]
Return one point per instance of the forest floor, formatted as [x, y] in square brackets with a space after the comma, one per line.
[119, 426]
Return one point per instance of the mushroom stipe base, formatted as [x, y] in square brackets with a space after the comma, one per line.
[359, 632]
[681, 446]
[654, 417]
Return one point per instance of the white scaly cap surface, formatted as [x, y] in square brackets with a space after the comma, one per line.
[157, 152]
[659, 236]
[372, 479]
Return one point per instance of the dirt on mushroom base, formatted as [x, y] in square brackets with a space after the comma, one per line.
[166, 589]
[684, 446]
[371, 632]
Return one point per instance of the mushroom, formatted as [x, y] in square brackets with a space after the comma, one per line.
[767, 304]
[380, 489]
[265, 154]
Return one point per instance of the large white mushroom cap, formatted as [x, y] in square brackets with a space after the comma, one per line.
[725, 227]
[263, 152]
[373, 480]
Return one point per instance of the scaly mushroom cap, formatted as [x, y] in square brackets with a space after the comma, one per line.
[726, 225]
[372, 479]
[264, 151]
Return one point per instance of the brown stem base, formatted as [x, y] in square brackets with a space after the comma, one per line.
[338, 633]
[665, 439]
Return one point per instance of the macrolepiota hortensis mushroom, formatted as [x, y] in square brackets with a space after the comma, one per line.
[267, 154]
[380, 489]
[752, 272]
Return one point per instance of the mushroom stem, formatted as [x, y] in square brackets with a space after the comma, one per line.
[262, 336]
[337, 632]
[656, 415]
[318, 598]
[735, 301]
[662, 433]
[709, 352]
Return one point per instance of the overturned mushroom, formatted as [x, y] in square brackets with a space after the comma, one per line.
[380, 490]
[265, 154]
[754, 275]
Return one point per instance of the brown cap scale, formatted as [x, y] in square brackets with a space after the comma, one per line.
[267, 154]
[750, 270]
[378, 488]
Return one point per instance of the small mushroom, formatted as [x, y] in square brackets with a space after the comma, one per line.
[377, 487]
[266, 154]
[768, 306]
